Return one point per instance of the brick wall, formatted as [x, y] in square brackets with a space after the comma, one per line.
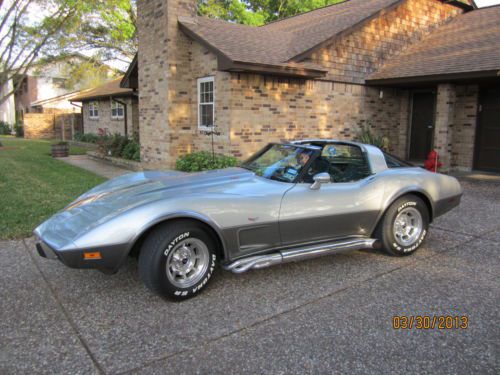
[105, 121]
[443, 126]
[265, 109]
[455, 125]
[51, 126]
[38, 126]
[252, 110]
[464, 127]
[165, 81]
[351, 58]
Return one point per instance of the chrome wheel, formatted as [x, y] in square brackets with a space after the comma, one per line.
[408, 226]
[187, 262]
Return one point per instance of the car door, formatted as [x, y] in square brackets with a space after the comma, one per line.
[336, 210]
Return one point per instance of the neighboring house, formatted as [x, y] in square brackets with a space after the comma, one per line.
[42, 85]
[8, 106]
[413, 69]
[58, 104]
[110, 109]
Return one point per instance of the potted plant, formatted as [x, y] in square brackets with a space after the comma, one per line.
[60, 150]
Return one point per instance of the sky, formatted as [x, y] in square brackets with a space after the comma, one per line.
[485, 3]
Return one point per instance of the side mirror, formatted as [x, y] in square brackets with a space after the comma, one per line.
[319, 179]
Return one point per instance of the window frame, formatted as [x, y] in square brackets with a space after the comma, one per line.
[115, 106]
[198, 93]
[364, 156]
[93, 109]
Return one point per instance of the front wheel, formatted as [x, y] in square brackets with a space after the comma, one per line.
[404, 226]
[177, 259]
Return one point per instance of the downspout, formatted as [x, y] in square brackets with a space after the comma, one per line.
[124, 114]
[73, 121]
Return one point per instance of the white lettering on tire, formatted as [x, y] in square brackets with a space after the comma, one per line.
[175, 241]
[413, 247]
[201, 284]
[407, 204]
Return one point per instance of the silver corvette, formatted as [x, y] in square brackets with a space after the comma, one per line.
[288, 202]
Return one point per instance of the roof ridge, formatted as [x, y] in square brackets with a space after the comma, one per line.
[302, 13]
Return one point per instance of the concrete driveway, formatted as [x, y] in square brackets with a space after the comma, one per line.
[327, 315]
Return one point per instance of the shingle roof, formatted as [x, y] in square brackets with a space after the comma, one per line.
[111, 88]
[469, 43]
[280, 42]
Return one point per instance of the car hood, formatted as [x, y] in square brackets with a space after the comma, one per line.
[121, 194]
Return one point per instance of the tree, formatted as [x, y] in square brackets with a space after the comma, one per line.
[108, 29]
[41, 31]
[258, 12]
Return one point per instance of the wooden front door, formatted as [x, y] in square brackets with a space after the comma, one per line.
[422, 124]
[487, 151]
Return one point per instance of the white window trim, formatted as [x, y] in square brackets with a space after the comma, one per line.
[117, 117]
[93, 105]
[200, 81]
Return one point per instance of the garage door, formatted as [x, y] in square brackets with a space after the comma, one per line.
[488, 131]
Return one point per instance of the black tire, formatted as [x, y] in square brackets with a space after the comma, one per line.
[394, 244]
[163, 245]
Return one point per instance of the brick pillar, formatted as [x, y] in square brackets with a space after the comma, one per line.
[164, 66]
[445, 110]
[404, 124]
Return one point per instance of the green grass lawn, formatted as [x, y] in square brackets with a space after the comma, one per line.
[34, 186]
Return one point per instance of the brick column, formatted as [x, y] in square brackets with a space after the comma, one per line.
[164, 65]
[404, 124]
[445, 110]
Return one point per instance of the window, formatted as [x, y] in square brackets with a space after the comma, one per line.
[59, 82]
[344, 163]
[280, 162]
[94, 110]
[394, 162]
[117, 110]
[206, 99]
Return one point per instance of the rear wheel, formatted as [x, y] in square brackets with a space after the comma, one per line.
[177, 259]
[404, 226]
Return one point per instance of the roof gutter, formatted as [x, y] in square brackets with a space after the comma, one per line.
[289, 71]
[461, 4]
[435, 78]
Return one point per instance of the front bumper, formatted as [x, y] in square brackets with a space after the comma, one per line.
[111, 257]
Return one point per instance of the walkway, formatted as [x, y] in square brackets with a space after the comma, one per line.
[100, 168]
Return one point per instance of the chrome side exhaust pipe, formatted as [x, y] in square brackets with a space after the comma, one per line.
[297, 254]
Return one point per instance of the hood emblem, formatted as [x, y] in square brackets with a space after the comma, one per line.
[253, 219]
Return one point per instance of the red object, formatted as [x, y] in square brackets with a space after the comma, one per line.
[432, 163]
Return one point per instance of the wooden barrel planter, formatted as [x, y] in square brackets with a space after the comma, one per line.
[60, 150]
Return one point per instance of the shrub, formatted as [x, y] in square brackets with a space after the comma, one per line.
[202, 161]
[87, 137]
[115, 145]
[367, 136]
[132, 151]
[4, 128]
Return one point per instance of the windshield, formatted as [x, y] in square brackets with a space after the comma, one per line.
[279, 162]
